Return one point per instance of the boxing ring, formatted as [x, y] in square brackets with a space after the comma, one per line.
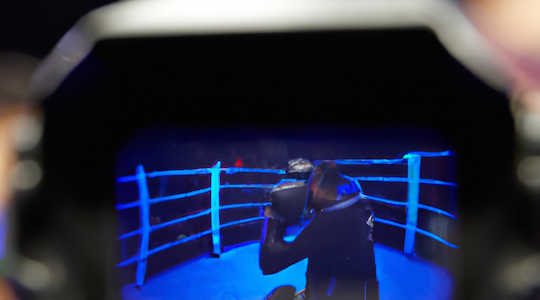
[411, 160]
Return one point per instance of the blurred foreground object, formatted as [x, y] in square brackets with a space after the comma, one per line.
[20, 125]
[20, 132]
[395, 62]
[512, 28]
[169, 18]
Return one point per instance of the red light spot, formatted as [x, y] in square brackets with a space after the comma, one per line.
[238, 163]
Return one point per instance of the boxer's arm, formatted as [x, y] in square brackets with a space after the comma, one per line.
[276, 254]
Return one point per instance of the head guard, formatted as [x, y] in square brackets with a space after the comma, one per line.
[299, 168]
[289, 197]
[328, 188]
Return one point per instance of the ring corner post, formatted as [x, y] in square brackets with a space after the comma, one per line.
[214, 204]
[413, 194]
[144, 198]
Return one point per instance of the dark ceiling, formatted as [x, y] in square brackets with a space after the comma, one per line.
[34, 27]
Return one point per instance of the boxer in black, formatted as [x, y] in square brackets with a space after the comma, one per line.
[337, 240]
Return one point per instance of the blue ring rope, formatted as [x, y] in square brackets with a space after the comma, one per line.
[421, 231]
[403, 179]
[401, 203]
[187, 239]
